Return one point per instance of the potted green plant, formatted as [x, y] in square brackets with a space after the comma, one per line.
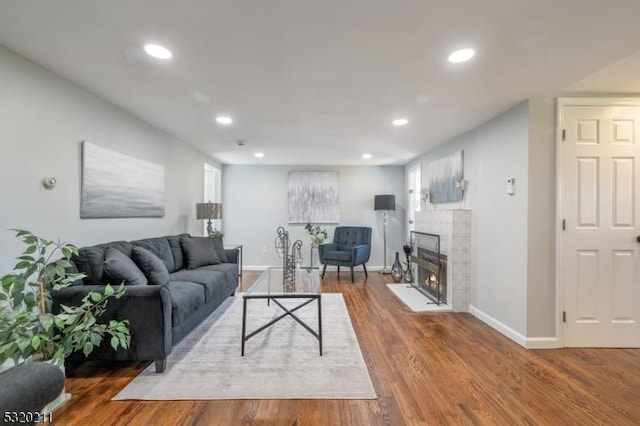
[29, 328]
[317, 234]
[216, 234]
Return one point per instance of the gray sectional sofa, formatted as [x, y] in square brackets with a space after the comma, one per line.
[172, 284]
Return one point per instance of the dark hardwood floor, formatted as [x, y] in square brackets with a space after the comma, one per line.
[438, 368]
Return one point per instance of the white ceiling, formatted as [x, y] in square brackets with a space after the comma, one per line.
[319, 82]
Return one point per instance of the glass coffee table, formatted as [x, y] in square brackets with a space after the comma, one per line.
[303, 284]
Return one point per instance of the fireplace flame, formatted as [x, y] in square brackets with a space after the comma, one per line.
[431, 281]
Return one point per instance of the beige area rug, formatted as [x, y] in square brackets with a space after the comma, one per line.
[415, 300]
[282, 362]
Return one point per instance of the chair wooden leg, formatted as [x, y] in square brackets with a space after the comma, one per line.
[352, 280]
[365, 270]
[324, 269]
[338, 271]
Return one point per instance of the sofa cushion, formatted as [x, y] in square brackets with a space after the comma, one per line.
[123, 246]
[186, 298]
[199, 251]
[73, 269]
[119, 268]
[230, 270]
[90, 260]
[219, 246]
[155, 271]
[161, 248]
[176, 250]
[213, 282]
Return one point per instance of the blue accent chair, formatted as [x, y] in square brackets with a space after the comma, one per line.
[351, 247]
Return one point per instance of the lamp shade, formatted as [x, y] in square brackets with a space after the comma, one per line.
[385, 202]
[209, 211]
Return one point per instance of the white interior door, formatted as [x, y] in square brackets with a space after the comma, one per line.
[599, 183]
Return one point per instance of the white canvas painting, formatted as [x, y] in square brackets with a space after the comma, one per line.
[314, 197]
[116, 185]
[444, 177]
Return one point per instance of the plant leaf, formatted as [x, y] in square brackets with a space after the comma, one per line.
[35, 342]
[87, 348]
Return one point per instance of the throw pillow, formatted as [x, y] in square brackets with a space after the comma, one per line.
[151, 265]
[118, 267]
[219, 246]
[199, 251]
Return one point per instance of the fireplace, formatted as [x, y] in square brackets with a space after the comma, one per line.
[429, 266]
[453, 227]
[432, 274]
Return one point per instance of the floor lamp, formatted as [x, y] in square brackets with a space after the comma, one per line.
[385, 203]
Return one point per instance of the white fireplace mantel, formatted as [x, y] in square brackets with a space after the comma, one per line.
[454, 228]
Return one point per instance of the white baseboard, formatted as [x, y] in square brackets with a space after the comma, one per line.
[525, 342]
[543, 343]
[254, 268]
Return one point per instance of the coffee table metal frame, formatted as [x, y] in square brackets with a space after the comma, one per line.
[288, 312]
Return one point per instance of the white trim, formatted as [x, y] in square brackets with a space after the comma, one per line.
[525, 342]
[543, 343]
[498, 326]
[254, 268]
[633, 100]
[560, 103]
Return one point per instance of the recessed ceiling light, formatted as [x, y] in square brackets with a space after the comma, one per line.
[400, 122]
[157, 51]
[461, 55]
[367, 156]
[258, 155]
[223, 119]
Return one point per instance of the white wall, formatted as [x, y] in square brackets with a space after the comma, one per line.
[255, 204]
[42, 119]
[494, 152]
[542, 225]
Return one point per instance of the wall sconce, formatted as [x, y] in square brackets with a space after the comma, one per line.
[461, 186]
[424, 194]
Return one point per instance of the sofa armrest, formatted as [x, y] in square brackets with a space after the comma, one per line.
[323, 248]
[146, 307]
[360, 254]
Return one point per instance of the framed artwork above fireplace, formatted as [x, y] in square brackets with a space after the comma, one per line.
[446, 179]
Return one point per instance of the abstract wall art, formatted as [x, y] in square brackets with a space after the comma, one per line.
[117, 185]
[313, 197]
[445, 176]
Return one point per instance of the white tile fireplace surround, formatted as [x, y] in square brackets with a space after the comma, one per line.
[454, 228]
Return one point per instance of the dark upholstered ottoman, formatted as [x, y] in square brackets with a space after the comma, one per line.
[28, 387]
